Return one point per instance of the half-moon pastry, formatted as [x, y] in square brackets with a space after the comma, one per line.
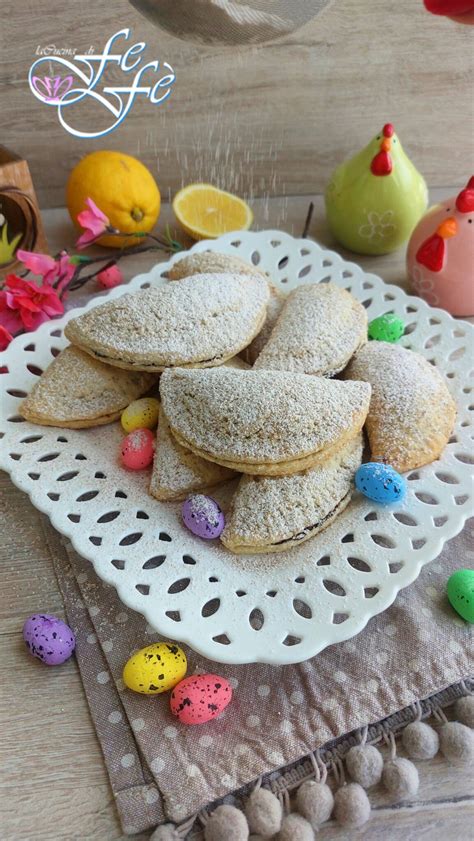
[319, 329]
[262, 422]
[411, 413]
[274, 308]
[273, 514]
[205, 262]
[77, 391]
[199, 322]
[212, 261]
[177, 471]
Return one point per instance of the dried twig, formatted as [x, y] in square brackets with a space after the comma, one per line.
[307, 223]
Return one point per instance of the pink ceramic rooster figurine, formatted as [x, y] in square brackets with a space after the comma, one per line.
[440, 256]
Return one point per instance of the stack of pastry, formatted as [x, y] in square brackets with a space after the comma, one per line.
[295, 438]
[285, 428]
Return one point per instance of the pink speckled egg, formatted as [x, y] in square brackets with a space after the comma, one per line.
[440, 256]
[48, 638]
[137, 449]
[200, 698]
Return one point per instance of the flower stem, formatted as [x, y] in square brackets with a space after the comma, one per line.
[167, 243]
[76, 284]
[110, 259]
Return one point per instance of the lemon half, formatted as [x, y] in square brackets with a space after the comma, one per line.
[205, 212]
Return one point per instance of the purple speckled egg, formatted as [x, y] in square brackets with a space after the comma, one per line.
[48, 638]
[202, 516]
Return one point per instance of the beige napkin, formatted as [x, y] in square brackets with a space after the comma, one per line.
[161, 770]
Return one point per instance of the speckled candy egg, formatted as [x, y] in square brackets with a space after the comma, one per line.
[48, 638]
[137, 449]
[386, 328]
[380, 482]
[203, 516]
[141, 414]
[460, 592]
[200, 698]
[155, 669]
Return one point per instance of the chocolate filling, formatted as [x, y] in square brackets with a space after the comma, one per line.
[302, 534]
[97, 353]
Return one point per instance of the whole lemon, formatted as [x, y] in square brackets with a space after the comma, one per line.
[122, 187]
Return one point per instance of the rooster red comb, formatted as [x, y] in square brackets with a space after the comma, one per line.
[449, 7]
[465, 199]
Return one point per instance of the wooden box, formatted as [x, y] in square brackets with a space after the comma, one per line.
[20, 218]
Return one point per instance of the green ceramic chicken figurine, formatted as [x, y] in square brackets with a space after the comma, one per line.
[375, 199]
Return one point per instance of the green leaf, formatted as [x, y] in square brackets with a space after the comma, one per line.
[7, 249]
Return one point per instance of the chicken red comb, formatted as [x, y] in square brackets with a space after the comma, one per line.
[388, 130]
[449, 7]
[465, 199]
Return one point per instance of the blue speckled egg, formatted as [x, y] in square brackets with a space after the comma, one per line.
[380, 482]
[48, 638]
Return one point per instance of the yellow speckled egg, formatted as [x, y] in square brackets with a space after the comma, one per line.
[141, 414]
[155, 669]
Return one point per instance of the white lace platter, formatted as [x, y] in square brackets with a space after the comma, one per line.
[277, 609]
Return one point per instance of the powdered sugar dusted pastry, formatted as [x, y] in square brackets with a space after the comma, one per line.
[77, 391]
[320, 327]
[411, 411]
[212, 261]
[177, 471]
[272, 514]
[203, 262]
[262, 422]
[275, 306]
[201, 321]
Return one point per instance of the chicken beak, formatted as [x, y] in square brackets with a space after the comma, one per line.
[386, 144]
[448, 228]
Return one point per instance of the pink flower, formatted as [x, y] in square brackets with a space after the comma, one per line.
[5, 338]
[40, 264]
[24, 305]
[108, 278]
[59, 271]
[93, 221]
[65, 271]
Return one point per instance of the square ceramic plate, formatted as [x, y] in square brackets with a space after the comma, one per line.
[280, 608]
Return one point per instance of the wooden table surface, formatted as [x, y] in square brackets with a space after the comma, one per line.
[263, 119]
[53, 785]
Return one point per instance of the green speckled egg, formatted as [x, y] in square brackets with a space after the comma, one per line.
[386, 328]
[460, 592]
[155, 669]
